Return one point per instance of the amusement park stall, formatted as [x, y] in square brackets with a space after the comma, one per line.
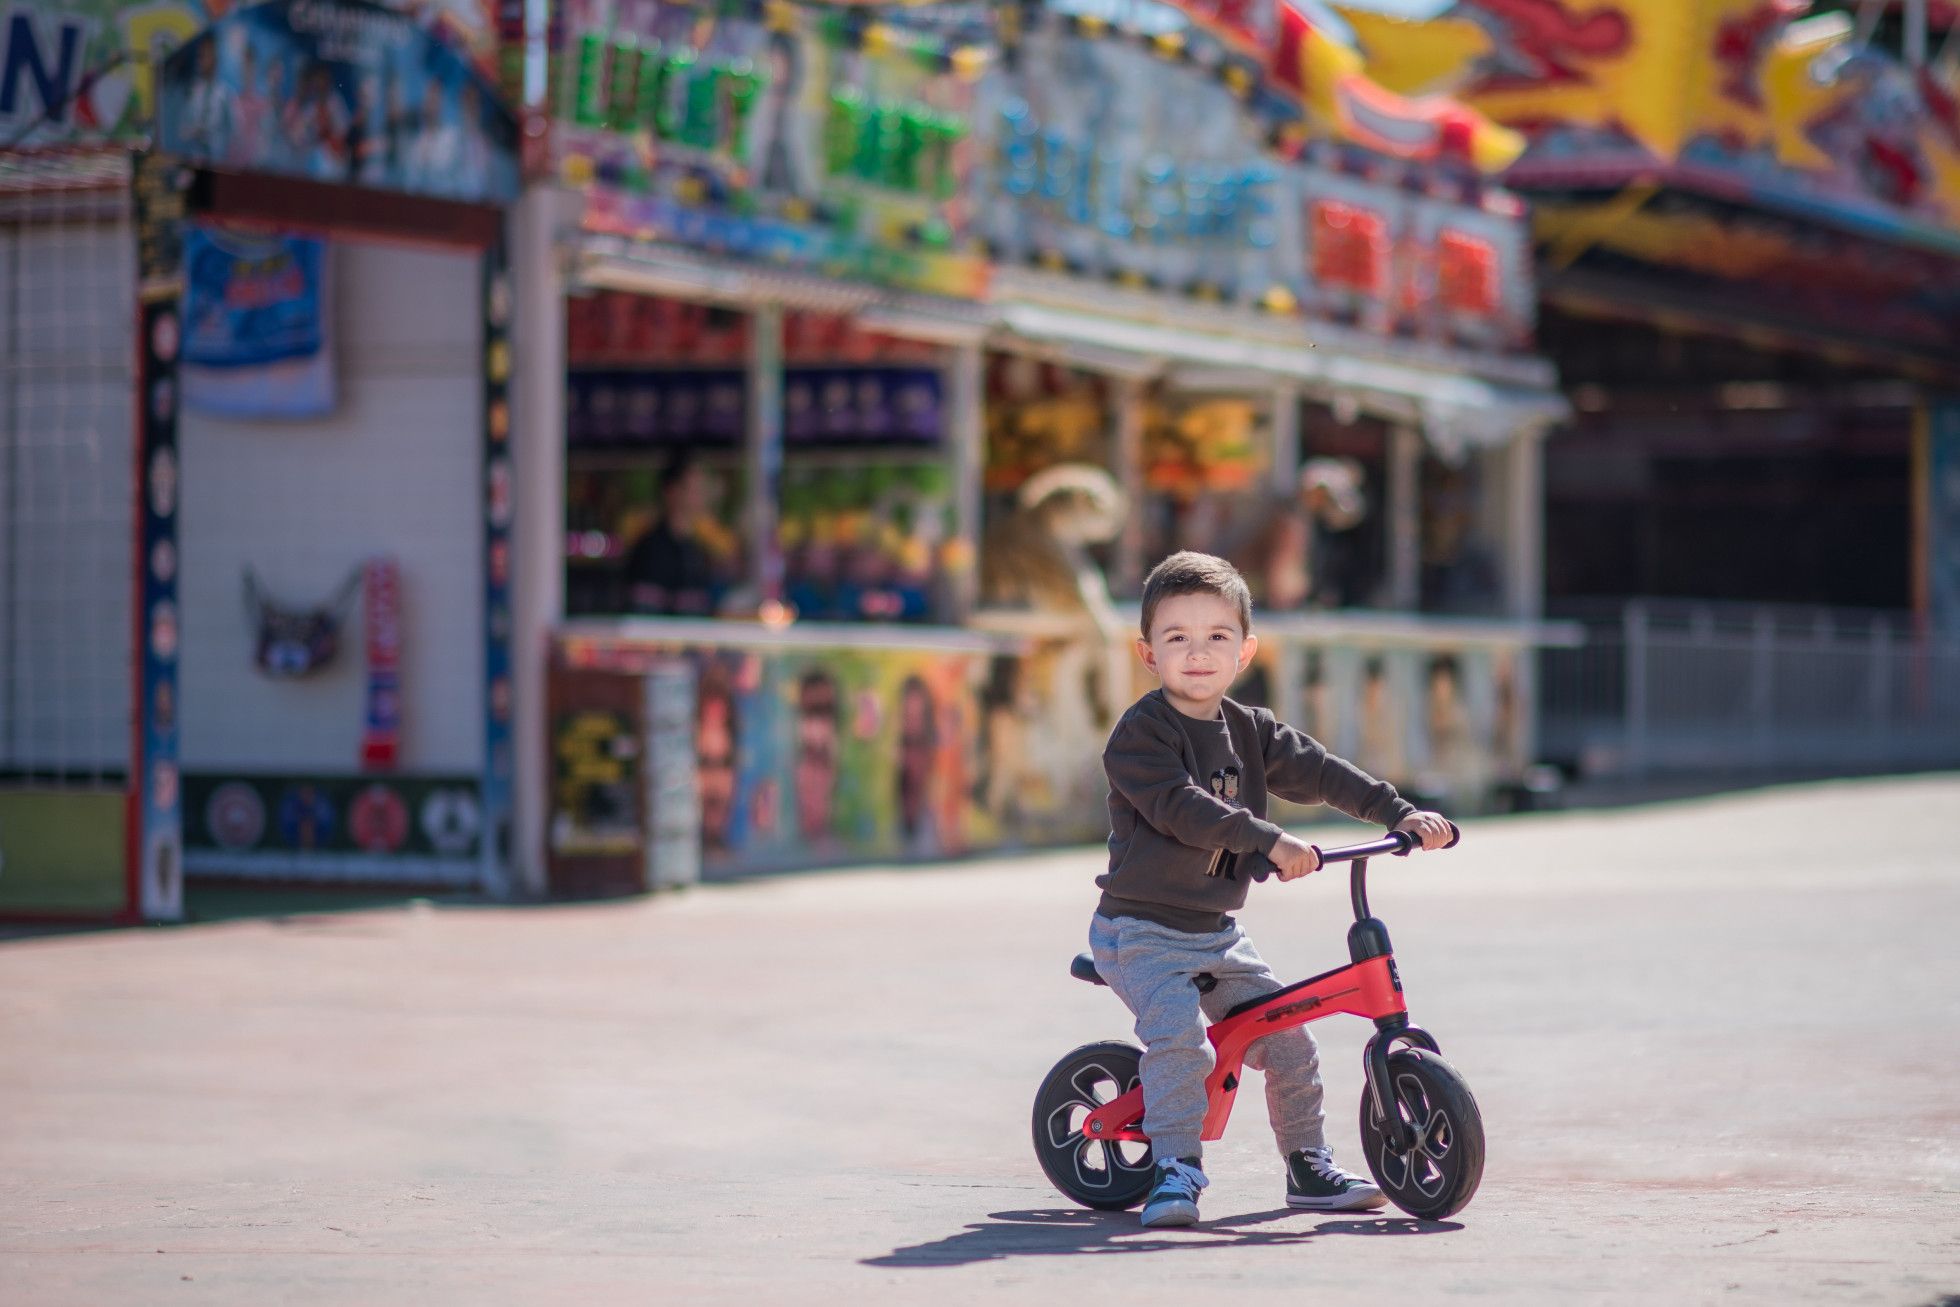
[921, 264]
[307, 254]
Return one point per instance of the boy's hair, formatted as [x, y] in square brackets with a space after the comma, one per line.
[1188, 572]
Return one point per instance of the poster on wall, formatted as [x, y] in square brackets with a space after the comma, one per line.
[257, 324]
[340, 91]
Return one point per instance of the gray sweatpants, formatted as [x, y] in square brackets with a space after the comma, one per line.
[1150, 968]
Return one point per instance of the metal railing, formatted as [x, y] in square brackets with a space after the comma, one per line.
[1664, 688]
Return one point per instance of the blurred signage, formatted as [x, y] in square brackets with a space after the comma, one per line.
[339, 91]
[1105, 157]
[814, 141]
[848, 406]
[84, 71]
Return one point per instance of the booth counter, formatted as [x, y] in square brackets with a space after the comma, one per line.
[767, 748]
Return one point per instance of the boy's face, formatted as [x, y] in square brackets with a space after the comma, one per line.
[1196, 648]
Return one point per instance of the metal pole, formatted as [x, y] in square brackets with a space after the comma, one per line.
[1404, 517]
[965, 397]
[1524, 582]
[1284, 474]
[537, 553]
[1762, 686]
[1129, 475]
[1633, 626]
[765, 450]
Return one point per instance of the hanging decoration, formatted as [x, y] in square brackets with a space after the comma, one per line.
[293, 643]
[381, 734]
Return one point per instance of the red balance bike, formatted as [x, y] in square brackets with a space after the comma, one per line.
[1420, 1127]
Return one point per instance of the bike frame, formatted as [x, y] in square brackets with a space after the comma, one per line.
[1368, 987]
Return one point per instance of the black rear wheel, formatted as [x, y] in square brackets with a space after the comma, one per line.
[1096, 1173]
[1437, 1177]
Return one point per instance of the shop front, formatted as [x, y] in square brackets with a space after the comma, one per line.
[322, 444]
[839, 315]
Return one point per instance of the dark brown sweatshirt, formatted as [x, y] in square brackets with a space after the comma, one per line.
[1188, 796]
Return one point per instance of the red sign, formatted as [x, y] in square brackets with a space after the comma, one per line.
[1466, 274]
[1351, 247]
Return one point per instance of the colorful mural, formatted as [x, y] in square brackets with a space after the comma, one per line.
[1783, 103]
[815, 755]
[77, 72]
[338, 91]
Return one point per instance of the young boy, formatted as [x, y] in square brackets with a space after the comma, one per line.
[1189, 771]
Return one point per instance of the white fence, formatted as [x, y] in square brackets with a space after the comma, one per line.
[1662, 688]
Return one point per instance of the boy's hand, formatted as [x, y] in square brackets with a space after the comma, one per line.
[1432, 828]
[1294, 858]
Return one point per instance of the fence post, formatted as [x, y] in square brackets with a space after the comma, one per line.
[1762, 681]
[1880, 689]
[1633, 639]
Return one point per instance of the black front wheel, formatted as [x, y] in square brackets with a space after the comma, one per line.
[1439, 1176]
[1097, 1173]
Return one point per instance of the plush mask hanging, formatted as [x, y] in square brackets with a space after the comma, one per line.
[297, 642]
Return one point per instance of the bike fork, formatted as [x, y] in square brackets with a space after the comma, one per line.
[1381, 1089]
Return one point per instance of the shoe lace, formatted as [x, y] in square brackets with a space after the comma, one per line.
[1322, 1163]
[1179, 1179]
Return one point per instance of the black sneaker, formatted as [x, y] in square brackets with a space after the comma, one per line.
[1315, 1183]
[1174, 1197]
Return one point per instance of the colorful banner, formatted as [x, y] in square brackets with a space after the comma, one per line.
[79, 72]
[381, 618]
[499, 777]
[340, 91]
[806, 140]
[155, 825]
[257, 324]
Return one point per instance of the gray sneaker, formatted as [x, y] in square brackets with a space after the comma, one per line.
[1316, 1184]
[1174, 1196]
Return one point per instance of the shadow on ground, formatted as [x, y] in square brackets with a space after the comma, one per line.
[1072, 1231]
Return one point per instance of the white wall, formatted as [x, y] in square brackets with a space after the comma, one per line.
[395, 470]
[67, 326]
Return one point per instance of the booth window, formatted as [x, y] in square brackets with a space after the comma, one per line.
[865, 514]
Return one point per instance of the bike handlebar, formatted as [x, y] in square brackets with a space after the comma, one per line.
[1395, 844]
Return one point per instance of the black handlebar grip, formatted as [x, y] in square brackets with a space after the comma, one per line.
[1410, 843]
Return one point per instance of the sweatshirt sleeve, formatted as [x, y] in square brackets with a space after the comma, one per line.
[1145, 765]
[1299, 768]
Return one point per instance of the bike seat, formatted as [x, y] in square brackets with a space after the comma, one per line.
[1083, 967]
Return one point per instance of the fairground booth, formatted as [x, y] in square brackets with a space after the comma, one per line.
[1748, 220]
[255, 612]
[858, 304]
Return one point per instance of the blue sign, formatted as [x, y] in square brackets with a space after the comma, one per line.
[338, 91]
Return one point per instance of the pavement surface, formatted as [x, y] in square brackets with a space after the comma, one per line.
[1716, 1044]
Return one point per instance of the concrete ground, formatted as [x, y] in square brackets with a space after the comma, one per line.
[1716, 1044]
